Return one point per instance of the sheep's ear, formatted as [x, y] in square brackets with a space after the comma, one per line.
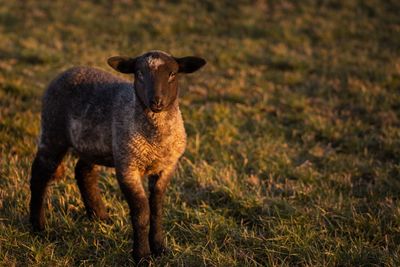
[122, 64]
[190, 64]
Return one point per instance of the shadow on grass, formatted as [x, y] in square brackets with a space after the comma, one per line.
[68, 233]
[246, 212]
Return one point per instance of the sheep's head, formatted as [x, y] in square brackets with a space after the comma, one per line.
[156, 76]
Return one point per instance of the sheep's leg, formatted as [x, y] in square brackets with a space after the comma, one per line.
[87, 178]
[46, 166]
[157, 187]
[132, 188]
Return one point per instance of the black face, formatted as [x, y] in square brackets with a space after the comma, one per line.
[156, 73]
[156, 81]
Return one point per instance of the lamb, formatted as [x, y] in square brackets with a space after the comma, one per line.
[137, 128]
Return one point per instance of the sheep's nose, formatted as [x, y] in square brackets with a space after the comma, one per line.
[156, 104]
[157, 101]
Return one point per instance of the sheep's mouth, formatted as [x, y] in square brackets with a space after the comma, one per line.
[156, 109]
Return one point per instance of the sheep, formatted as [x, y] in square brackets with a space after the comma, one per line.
[137, 128]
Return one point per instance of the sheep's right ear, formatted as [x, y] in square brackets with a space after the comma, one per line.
[122, 64]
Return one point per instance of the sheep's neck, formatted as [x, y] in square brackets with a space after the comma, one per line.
[161, 123]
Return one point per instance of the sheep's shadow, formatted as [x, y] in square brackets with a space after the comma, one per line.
[66, 230]
[249, 213]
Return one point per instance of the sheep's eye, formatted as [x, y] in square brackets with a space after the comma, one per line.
[139, 75]
[171, 76]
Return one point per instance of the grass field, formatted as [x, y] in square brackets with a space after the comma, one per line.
[293, 154]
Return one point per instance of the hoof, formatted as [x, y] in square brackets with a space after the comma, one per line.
[160, 250]
[37, 227]
[101, 216]
[142, 260]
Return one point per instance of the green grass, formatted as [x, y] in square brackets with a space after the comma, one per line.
[293, 154]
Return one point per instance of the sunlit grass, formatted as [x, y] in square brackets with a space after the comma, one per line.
[293, 131]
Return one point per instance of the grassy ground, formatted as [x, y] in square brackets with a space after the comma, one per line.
[293, 131]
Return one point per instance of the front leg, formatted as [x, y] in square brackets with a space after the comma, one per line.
[131, 185]
[157, 186]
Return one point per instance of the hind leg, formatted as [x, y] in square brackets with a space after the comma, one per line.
[46, 166]
[87, 179]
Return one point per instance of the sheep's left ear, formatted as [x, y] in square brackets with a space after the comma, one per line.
[190, 64]
[122, 64]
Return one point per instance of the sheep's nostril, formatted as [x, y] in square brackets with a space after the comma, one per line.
[157, 101]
